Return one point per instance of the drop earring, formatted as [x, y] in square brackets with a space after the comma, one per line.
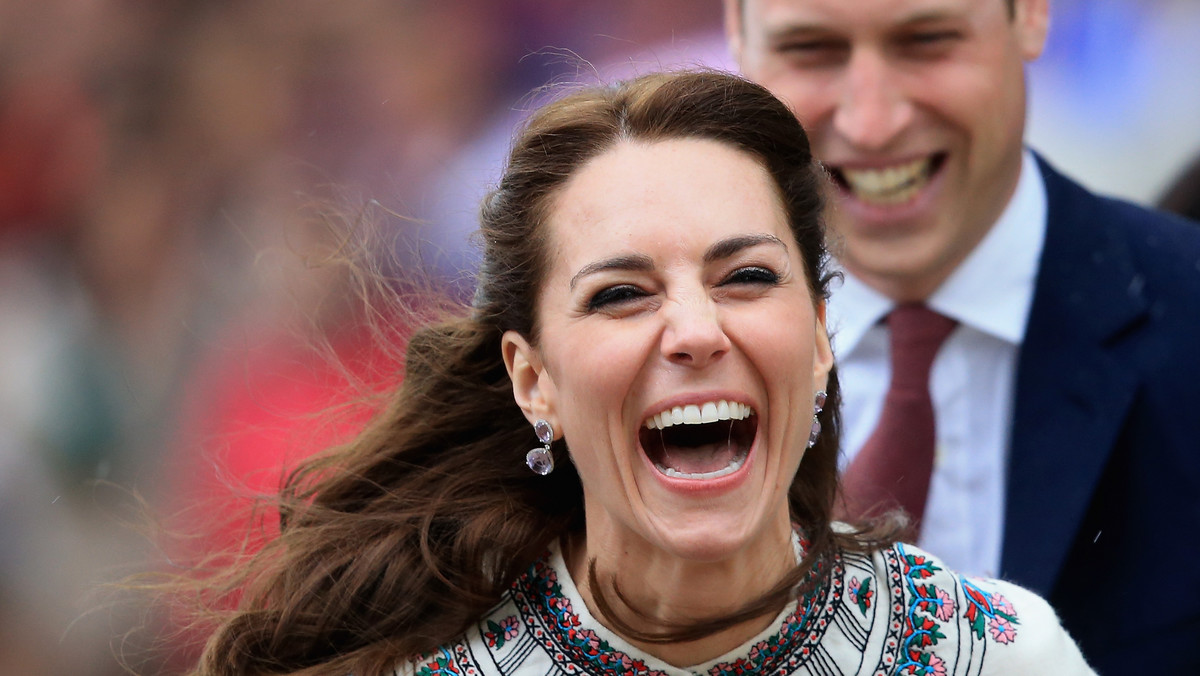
[818, 406]
[539, 459]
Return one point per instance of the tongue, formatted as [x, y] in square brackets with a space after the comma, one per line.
[699, 459]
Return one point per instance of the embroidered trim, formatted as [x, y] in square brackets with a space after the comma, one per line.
[548, 615]
[440, 663]
[860, 594]
[1000, 615]
[499, 634]
[930, 605]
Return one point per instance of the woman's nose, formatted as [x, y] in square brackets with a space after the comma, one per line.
[693, 335]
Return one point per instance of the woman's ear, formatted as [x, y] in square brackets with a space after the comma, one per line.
[822, 350]
[533, 389]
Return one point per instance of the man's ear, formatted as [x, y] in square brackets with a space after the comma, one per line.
[533, 389]
[733, 29]
[1031, 20]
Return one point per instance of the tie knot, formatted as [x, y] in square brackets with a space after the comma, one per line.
[916, 334]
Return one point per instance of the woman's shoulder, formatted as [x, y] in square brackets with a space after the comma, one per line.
[499, 644]
[947, 623]
[535, 626]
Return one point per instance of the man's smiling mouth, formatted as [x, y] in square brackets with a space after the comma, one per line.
[700, 441]
[888, 186]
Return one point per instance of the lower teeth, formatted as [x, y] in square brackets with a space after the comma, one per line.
[732, 467]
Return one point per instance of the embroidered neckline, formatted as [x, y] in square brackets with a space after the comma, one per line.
[548, 614]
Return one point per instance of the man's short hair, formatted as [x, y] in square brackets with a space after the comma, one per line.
[1012, 7]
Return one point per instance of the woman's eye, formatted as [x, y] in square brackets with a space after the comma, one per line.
[752, 275]
[614, 295]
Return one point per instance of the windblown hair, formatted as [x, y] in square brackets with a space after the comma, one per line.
[396, 543]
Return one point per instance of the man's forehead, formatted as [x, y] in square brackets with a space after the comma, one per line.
[788, 15]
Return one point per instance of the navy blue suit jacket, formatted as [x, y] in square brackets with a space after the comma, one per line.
[1103, 491]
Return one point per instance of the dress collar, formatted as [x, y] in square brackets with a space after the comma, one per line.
[548, 594]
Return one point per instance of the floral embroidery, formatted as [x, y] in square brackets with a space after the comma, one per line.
[929, 664]
[791, 642]
[539, 593]
[944, 604]
[739, 666]
[992, 610]
[441, 665]
[540, 586]
[927, 617]
[1002, 630]
[931, 604]
[861, 593]
[499, 634]
[921, 631]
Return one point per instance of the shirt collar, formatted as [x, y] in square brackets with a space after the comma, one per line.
[991, 291]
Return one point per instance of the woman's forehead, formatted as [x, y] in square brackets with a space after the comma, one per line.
[680, 189]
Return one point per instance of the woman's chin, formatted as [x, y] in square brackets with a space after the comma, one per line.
[708, 537]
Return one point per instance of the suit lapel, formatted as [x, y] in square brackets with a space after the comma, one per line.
[1073, 390]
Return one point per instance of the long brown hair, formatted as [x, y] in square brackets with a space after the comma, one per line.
[396, 543]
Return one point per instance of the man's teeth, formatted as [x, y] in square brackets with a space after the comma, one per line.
[733, 466]
[893, 185]
[694, 414]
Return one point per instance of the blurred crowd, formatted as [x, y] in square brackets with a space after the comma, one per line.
[161, 290]
[160, 281]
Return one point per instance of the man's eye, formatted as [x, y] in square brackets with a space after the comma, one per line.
[814, 51]
[931, 37]
[753, 274]
[811, 45]
[614, 295]
[930, 40]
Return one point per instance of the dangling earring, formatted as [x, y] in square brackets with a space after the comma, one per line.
[539, 459]
[818, 406]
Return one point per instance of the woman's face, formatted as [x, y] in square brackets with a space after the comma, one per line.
[675, 295]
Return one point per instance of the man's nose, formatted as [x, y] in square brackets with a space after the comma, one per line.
[872, 107]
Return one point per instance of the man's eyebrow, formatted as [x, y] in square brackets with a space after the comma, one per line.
[790, 31]
[935, 15]
[636, 262]
[728, 247]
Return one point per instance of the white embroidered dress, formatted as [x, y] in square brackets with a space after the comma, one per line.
[896, 612]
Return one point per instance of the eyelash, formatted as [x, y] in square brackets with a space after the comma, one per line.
[753, 274]
[624, 293]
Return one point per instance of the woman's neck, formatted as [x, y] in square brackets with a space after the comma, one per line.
[659, 592]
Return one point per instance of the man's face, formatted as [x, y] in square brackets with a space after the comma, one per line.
[917, 108]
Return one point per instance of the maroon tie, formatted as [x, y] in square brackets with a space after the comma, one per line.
[892, 469]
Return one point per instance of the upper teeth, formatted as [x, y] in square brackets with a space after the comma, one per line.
[893, 185]
[697, 414]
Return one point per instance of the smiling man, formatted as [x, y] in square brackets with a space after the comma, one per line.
[1051, 437]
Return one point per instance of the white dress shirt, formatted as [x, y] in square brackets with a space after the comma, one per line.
[971, 381]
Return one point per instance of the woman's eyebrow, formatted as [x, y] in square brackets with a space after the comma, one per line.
[728, 247]
[635, 262]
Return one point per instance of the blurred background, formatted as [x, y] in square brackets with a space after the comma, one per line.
[166, 169]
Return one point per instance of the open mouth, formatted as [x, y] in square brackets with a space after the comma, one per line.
[704, 441]
[890, 186]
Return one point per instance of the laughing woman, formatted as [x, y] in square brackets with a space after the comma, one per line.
[650, 321]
